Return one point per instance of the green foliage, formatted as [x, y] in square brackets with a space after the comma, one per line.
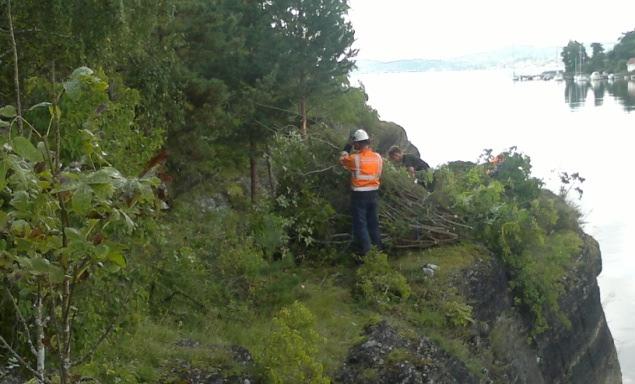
[613, 61]
[348, 108]
[134, 40]
[622, 52]
[573, 56]
[239, 261]
[269, 232]
[598, 58]
[224, 78]
[539, 281]
[60, 224]
[314, 39]
[291, 347]
[305, 197]
[379, 284]
[313, 190]
[97, 121]
[458, 314]
[526, 226]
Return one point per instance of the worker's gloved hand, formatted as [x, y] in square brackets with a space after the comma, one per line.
[348, 147]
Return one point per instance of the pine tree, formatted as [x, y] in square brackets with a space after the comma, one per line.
[314, 46]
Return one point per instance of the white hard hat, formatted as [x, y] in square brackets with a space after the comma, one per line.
[360, 135]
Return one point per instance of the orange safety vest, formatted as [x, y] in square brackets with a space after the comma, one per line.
[365, 167]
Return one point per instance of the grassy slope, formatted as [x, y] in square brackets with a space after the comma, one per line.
[153, 349]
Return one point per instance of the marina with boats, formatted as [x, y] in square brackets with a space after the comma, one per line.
[578, 78]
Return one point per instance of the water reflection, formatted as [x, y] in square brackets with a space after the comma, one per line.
[623, 91]
[598, 91]
[575, 93]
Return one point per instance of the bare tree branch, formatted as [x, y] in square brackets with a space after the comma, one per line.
[19, 31]
[22, 321]
[16, 72]
[326, 142]
[22, 362]
[319, 170]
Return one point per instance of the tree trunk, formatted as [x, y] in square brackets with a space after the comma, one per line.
[39, 336]
[304, 124]
[253, 169]
[272, 183]
[66, 333]
[16, 73]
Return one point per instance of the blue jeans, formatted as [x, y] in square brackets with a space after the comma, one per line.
[364, 209]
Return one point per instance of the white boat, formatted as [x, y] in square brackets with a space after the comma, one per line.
[581, 78]
[595, 76]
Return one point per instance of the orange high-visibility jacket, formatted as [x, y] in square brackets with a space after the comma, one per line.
[365, 167]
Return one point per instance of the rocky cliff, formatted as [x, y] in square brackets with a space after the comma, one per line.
[582, 352]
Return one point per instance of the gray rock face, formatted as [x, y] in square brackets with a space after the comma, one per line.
[585, 352]
[386, 357]
[582, 354]
[182, 371]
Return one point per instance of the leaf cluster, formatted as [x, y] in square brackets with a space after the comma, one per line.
[378, 283]
[66, 216]
[289, 356]
[533, 231]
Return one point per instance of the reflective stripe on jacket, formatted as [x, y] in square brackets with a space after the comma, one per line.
[365, 167]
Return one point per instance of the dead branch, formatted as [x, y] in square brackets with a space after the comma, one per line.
[22, 362]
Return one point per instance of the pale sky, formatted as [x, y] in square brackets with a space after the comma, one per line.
[402, 29]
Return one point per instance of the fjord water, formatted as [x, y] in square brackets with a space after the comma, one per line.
[563, 127]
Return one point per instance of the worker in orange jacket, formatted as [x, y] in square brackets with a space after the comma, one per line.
[365, 167]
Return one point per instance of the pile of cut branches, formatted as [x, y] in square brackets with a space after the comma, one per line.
[309, 179]
[409, 217]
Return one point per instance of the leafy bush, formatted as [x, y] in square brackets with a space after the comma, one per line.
[269, 232]
[378, 284]
[539, 282]
[99, 122]
[532, 230]
[311, 190]
[458, 314]
[288, 357]
[67, 216]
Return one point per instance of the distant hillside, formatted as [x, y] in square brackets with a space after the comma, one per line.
[502, 58]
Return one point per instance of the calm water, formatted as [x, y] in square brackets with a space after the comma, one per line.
[586, 129]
